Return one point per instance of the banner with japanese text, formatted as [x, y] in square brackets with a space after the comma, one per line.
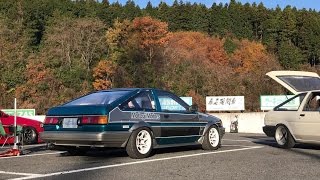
[225, 103]
[268, 102]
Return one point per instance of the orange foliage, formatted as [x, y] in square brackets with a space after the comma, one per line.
[151, 32]
[40, 89]
[197, 46]
[250, 56]
[104, 74]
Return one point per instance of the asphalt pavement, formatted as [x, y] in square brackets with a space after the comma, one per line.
[242, 156]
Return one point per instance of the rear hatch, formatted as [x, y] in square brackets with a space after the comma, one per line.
[86, 113]
[76, 118]
[296, 81]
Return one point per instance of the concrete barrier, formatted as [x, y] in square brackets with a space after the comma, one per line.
[247, 122]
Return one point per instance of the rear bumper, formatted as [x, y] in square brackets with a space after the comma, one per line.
[92, 139]
[269, 130]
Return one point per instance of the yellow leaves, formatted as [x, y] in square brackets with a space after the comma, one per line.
[119, 34]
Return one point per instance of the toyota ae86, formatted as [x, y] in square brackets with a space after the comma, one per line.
[137, 119]
[296, 120]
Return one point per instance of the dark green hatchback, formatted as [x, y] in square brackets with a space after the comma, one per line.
[137, 119]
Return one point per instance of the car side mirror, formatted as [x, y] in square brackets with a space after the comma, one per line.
[193, 108]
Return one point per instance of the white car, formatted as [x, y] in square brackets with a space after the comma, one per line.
[296, 120]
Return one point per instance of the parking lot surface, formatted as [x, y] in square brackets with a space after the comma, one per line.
[242, 156]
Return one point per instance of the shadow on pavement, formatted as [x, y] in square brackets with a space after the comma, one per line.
[33, 149]
[118, 152]
[310, 150]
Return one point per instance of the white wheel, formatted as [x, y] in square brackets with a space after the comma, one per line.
[214, 137]
[283, 137]
[140, 143]
[212, 140]
[143, 142]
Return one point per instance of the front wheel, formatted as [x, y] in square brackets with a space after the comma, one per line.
[30, 135]
[283, 137]
[139, 144]
[212, 139]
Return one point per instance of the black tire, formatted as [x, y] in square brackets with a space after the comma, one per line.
[283, 137]
[133, 150]
[30, 135]
[213, 142]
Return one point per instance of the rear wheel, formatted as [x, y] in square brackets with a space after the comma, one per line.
[140, 144]
[283, 137]
[212, 140]
[30, 135]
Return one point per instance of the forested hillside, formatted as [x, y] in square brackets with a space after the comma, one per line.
[53, 51]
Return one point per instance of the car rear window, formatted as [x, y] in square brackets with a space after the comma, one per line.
[98, 98]
[302, 83]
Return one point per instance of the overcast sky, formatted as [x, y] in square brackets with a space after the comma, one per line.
[313, 4]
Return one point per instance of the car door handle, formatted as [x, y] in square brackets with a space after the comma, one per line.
[166, 116]
[302, 115]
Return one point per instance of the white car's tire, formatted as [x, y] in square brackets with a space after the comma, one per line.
[283, 137]
[212, 139]
[140, 144]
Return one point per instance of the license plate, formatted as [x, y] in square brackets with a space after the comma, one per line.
[70, 123]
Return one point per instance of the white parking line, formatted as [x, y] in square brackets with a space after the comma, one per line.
[236, 140]
[20, 174]
[30, 155]
[132, 163]
[233, 145]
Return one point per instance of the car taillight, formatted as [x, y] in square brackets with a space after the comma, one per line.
[51, 120]
[94, 120]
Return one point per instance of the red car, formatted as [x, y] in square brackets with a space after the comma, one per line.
[31, 128]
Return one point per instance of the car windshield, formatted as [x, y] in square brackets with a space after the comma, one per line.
[98, 98]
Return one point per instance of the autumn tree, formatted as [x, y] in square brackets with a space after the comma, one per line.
[13, 54]
[151, 34]
[251, 62]
[136, 47]
[196, 64]
[104, 74]
[61, 70]
[41, 89]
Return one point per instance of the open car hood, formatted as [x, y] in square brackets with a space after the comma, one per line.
[296, 81]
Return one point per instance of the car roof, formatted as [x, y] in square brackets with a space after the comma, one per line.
[128, 89]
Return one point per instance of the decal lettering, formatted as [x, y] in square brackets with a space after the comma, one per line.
[144, 115]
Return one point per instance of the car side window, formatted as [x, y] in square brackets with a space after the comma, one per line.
[313, 103]
[171, 103]
[142, 102]
[291, 104]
